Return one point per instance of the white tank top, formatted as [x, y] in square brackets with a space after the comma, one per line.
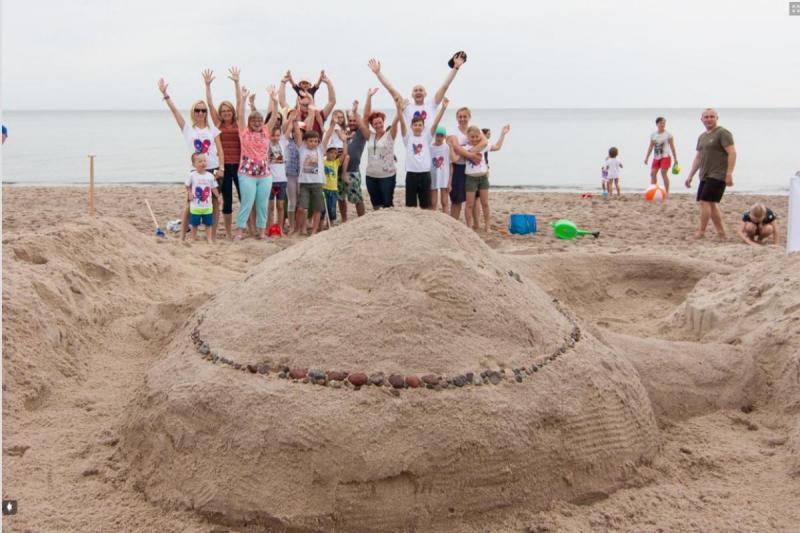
[463, 142]
[380, 156]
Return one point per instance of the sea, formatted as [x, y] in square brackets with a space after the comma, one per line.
[546, 149]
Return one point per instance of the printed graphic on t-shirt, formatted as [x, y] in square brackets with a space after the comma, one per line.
[438, 162]
[201, 147]
[417, 148]
[201, 194]
[311, 163]
[423, 114]
[473, 164]
[275, 154]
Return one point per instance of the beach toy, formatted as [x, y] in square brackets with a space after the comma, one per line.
[586, 195]
[174, 226]
[522, 224]
[605, 193]
[275, 229]
[566, 229]
[654, 193]
[159, 232]
[676, 169]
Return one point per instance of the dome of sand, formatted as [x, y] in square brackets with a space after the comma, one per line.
[516, 407]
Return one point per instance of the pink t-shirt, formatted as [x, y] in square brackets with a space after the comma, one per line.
[255, 148]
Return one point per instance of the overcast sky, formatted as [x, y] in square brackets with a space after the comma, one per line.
[108, 54]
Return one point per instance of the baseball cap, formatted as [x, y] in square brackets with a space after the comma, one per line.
[441, 130]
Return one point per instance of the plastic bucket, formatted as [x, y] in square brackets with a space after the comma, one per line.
[522, 224]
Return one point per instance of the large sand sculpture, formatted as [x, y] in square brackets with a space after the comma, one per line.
[481, 391]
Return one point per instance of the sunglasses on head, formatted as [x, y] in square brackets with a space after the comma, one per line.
[201, 110]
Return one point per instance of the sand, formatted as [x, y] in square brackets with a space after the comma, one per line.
[677, 409]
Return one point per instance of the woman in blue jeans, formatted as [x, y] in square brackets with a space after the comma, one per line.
[381, 168]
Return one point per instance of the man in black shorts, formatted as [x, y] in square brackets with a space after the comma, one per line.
[715, 159]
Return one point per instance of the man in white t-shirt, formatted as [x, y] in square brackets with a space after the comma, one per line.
[418, 106]
[662, 146]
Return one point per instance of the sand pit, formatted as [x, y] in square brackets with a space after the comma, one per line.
[525, 409]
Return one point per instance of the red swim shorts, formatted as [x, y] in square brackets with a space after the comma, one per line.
[664, 162]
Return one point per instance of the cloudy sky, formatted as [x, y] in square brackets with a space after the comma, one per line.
[108, 54]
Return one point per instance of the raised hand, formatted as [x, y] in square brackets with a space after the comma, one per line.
[405, 103]
[506, 129]
[162, 86]
[233, 74]
[245, 93]
[445, 102]
[355, 106]
[252, 101]
[324, 77]
[208, 76]
[371, 92]
[272, 92]
[374, 65]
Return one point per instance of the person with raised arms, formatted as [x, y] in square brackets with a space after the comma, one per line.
[255, 180]
[381, 176]
[305, 100]
[350, 185]
[418, 142]
[418, 106]
[202, 138]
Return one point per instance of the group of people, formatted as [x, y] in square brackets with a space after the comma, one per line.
[308, 157]
[715, 160]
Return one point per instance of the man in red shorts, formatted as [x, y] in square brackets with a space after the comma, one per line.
[715, 159]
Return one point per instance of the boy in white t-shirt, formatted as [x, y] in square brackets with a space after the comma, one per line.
[442, 157]
[418, 155]
[200, 187]
[312, 175]
[612, 168]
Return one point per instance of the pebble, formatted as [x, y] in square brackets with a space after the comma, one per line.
[495, 378]
[516, 277]
[377, 379]
[335, 383]
[214, 357]
[430, 379]
[459, 381]
[519, 378]
[397, 381]
[412, 381]
[298, 373]
[316, 375]
[336, 376]
[469, 376]
[263, 368]
[282, 375]
[204, 349]
[357, 379]
[237, 366]
[477, 381]
[251, 369]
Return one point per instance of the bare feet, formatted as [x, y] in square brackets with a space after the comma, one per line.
[699, 235]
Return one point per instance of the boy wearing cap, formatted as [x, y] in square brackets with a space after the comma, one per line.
[304, 85]
[441, 169]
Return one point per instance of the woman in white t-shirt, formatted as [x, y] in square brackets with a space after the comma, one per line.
[662, 145]
[202, 138]
[381, 176]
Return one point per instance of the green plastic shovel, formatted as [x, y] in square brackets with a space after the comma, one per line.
[566, 229]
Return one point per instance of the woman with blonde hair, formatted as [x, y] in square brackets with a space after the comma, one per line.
[202, 138]
[459, 141]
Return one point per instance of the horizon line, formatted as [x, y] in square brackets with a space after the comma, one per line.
[554, 108]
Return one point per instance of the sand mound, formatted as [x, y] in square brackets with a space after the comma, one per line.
[521, 408]
[57, 302]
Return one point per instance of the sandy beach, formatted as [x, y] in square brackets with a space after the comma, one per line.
[645, 381]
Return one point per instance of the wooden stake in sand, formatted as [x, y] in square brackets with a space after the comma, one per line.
[91, 184]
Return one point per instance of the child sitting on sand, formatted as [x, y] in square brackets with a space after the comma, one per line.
[200, 186]
[611, 169]
[758, 224]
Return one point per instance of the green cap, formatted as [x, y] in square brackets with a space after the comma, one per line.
[441, 130]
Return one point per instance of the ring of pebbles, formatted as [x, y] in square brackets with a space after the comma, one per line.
[357, 380]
